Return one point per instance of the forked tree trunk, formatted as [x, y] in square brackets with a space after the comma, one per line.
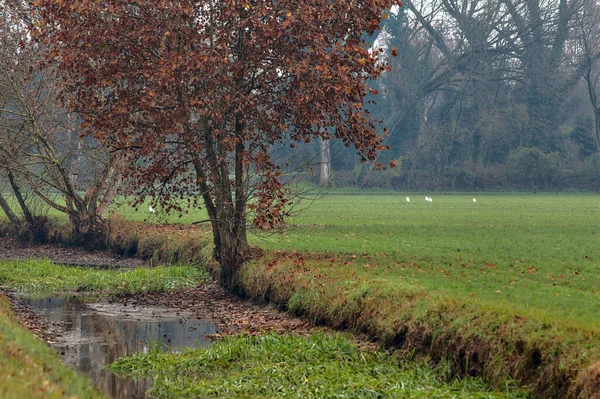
[230, 240]
[231, 248]
[231, 251]
[87, 228]
[86, 213]
[226, 212]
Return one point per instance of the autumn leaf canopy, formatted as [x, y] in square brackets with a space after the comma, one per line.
[182, 84]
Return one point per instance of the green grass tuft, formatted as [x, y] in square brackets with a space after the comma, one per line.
[276, 366]
[43, 276]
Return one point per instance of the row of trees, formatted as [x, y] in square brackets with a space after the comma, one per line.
[210, 102]
[184, 101]
[481, 88]
[45, 158]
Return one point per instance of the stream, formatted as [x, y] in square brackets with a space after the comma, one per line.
[90, 335]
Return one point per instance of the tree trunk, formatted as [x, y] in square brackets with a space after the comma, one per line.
[24, 208]
[228, 222]
[14, 220]
[325, 161]
[231, 251]
[101, 194]
[593, 101]
[109, 195]
[229, 238]
[597, 119]
[86, 228]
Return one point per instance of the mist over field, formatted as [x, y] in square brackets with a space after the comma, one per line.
[423, 176]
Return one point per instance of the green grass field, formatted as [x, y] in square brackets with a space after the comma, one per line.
[512, 278]
[534, 253]
[537, 254]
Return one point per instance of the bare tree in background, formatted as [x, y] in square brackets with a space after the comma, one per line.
[325, 160]
[587, 55]
[41, 149]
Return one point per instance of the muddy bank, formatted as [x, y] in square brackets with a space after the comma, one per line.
[230, 314]
[13, 249]
[89, 335]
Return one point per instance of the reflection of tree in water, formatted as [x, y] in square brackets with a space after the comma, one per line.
[92, 338]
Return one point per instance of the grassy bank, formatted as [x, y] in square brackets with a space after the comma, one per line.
[537, 254]
[42, 277]
[552, 359]
[505, 286]
[320, 366]
[30, 369]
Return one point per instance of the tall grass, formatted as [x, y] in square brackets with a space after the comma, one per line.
[43, 276]
[276, 366]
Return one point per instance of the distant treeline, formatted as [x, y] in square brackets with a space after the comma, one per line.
[484, 94]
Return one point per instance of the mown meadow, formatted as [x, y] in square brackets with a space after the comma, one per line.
[535, 254]
[505, 287]
[531, 253]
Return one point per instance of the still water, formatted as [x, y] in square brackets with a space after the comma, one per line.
[91, 335]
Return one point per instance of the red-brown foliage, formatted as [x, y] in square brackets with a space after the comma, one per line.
[197, 92]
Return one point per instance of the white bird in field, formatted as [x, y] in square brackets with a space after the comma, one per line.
[430, 199]
[150, 209]
[474, 200]
[427, 199]
[407, 199]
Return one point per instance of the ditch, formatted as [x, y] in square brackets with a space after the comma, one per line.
[90, 335]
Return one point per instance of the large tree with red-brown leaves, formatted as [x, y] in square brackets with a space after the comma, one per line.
[197, 93]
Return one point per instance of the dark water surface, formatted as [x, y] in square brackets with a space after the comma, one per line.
[91, 335]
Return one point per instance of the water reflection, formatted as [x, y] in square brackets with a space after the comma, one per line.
[92, 335]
